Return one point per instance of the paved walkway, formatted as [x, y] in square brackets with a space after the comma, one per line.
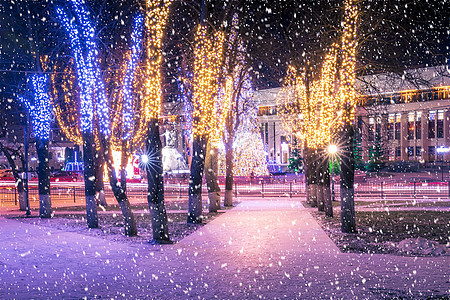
[269, 249]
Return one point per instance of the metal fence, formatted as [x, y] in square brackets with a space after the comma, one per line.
[266, 187]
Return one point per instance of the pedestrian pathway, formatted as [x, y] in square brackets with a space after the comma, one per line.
[269, 249]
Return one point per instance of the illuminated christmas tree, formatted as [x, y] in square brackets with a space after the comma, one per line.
[249, 154]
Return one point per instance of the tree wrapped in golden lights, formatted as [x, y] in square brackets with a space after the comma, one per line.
[308, 112]
[150, 108]
[348, 100]
[222, 106]
[314, 110]
[63, 83]
[64, 89]
[208, 52]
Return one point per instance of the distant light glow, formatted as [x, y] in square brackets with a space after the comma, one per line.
[443, 149]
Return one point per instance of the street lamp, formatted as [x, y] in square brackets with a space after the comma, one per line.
[442, 150]
[332, 149]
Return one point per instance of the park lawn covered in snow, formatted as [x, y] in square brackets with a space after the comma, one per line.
[111, 224]
[381, 232]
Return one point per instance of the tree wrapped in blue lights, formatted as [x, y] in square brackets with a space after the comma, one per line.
[81, 38]
[40, 111]
[136, 51]
[127, 130]
[93, 96]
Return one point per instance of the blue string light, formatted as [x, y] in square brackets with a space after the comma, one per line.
[89, 76]
[87, 106]
[136, 39]
[40, 110]
[185, 97]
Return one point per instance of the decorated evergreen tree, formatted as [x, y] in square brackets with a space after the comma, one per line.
[249, 154]
[295, 161]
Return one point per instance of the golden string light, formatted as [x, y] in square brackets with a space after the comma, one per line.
[115, 78]
[208, 55]
[66, 108]
[315, 117]
[347, 93]
[148, 79]
[329, 106]
[223, 105]
[147, 84]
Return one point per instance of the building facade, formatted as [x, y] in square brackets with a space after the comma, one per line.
[407, 119]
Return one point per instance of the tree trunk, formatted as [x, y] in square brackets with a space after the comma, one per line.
[18, 180]
[328, 206]
[123, 166]
[155, 187]
[211, 176]
[89, 179]
[228, 201]
[347, 181]
[320, 184]
[312, 177]
[195, 180]
[99, 185]
[45, 203]
[307, 168]
[119, 193]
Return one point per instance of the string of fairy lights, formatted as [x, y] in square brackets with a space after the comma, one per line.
[347, 92]
[86, 103]
[184, 97]
[94, 85]
[150, 93]
[67, 112]
[208, 56]
[40, 108]
[223, 105]
[128, 116]
[314, 117]
[136, 40]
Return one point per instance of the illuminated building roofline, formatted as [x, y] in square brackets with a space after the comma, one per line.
[409, 80]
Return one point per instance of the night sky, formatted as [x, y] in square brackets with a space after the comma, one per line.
[394, 35]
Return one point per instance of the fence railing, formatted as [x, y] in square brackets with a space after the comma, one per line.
[66, 194]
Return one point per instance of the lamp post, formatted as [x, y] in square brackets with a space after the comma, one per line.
[332, 149]
[442, 150]
[27, 194]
